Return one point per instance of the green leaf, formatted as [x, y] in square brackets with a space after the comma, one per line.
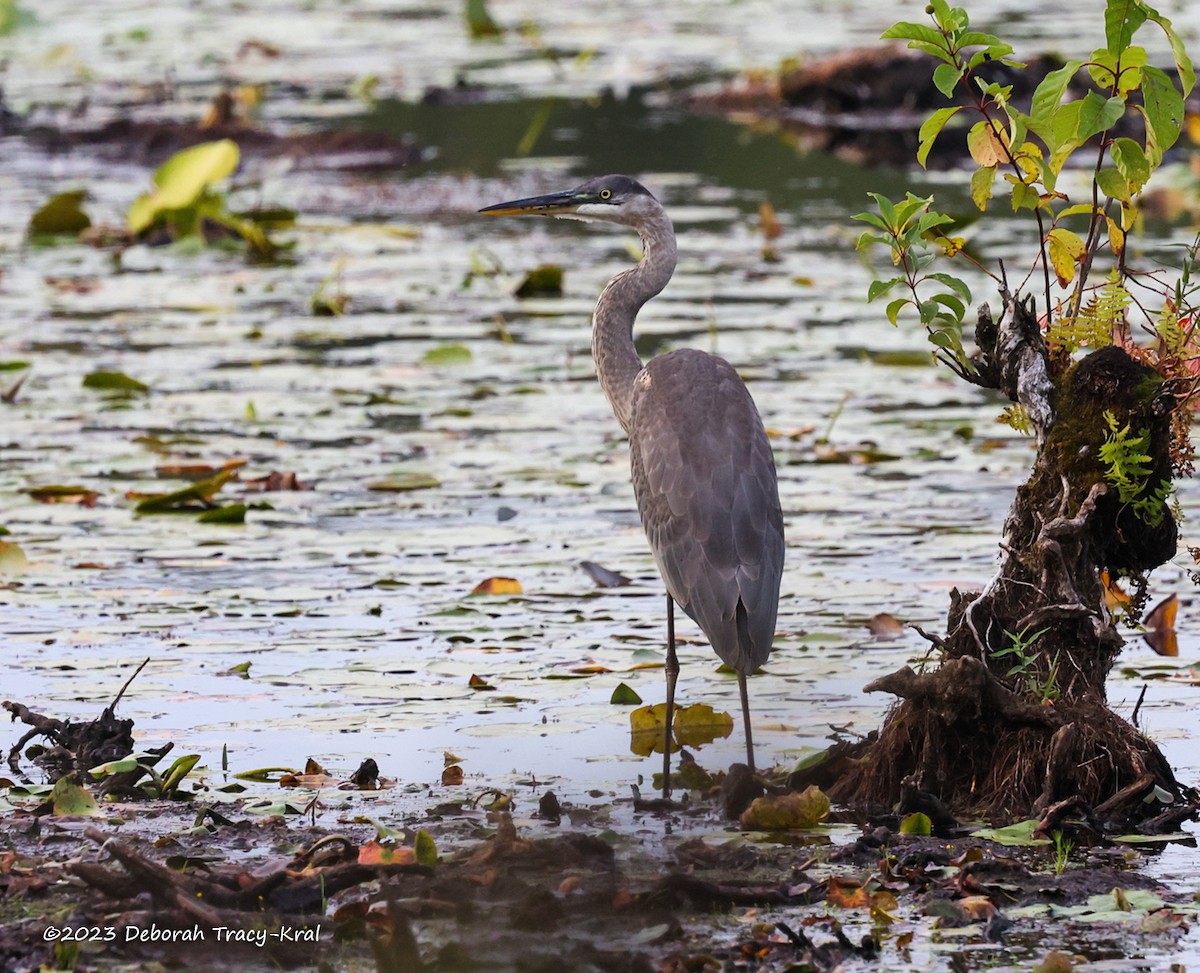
[959, 287]
[1049, 95]
[1130, 159]
[916, 824]
[1183, 63]
[190, 497]
[1122, 18]
[1123, 73]
[118, 382]
[1019, 834]
[61, 214]
[231, 513]
[182, 180]
[1164, 112]
[952, 303]
[872, 219]
[930, 130]
[455, 354]
[1099, 115]
[1114, 185]
[893, 309]
[886, 209]
[909, 207]
[868, 239]
[879, 287]
[624, 696]
[177, 772]
[1024, 197]
[924, 38]
[946, 78]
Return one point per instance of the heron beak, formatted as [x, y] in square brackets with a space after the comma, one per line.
[552, 204]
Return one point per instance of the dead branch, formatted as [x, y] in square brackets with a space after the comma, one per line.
[961, 689]
[687, 890]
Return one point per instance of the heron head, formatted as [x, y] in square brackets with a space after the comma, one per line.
[615, 199]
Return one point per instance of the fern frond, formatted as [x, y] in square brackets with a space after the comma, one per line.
[1128, 468]
[1097, 321]
[1016, 416]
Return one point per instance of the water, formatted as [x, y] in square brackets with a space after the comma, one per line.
[353, 605]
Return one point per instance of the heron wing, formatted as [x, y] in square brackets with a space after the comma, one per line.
[704, 478]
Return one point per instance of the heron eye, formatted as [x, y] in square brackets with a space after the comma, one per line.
[606, 194]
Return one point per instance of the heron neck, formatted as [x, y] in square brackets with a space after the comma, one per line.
[613, 350]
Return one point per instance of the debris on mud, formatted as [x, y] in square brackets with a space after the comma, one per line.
[459, 889]
[151, 141]
[866, 104]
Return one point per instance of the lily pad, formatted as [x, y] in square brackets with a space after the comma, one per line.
[61, 214]
[447, 355]
[116, 382]
[787, 812]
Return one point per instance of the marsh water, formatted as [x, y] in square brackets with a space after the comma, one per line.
[449, 432]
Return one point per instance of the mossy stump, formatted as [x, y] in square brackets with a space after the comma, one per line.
[1017, 732]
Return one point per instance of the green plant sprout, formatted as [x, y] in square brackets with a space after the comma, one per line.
[1030, 150]
[1063, 846]
[1024, 663]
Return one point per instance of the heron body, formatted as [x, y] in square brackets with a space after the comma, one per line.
[702, 467]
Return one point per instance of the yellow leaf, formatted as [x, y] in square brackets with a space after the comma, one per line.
[1116, 236]
[498, 586]
[68, 798]
[768, 222]
[883, 907]
[987, 145]
[789, 812]
[951, 244]
[699, 724]
[692, 726]
[1193, 127]
[425, 849]
[1065, 250]
[12, 558]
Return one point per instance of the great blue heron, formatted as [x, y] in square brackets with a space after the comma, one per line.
[703, 471]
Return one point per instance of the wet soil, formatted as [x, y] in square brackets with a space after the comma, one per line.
[175, 885]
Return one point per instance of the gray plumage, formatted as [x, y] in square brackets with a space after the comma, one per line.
[704, 479]
[703, 472]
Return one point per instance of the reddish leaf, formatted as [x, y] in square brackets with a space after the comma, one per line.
[498, 586]
[374, 853]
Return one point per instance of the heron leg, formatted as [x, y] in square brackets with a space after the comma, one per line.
[746, 720]
[672, 668]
